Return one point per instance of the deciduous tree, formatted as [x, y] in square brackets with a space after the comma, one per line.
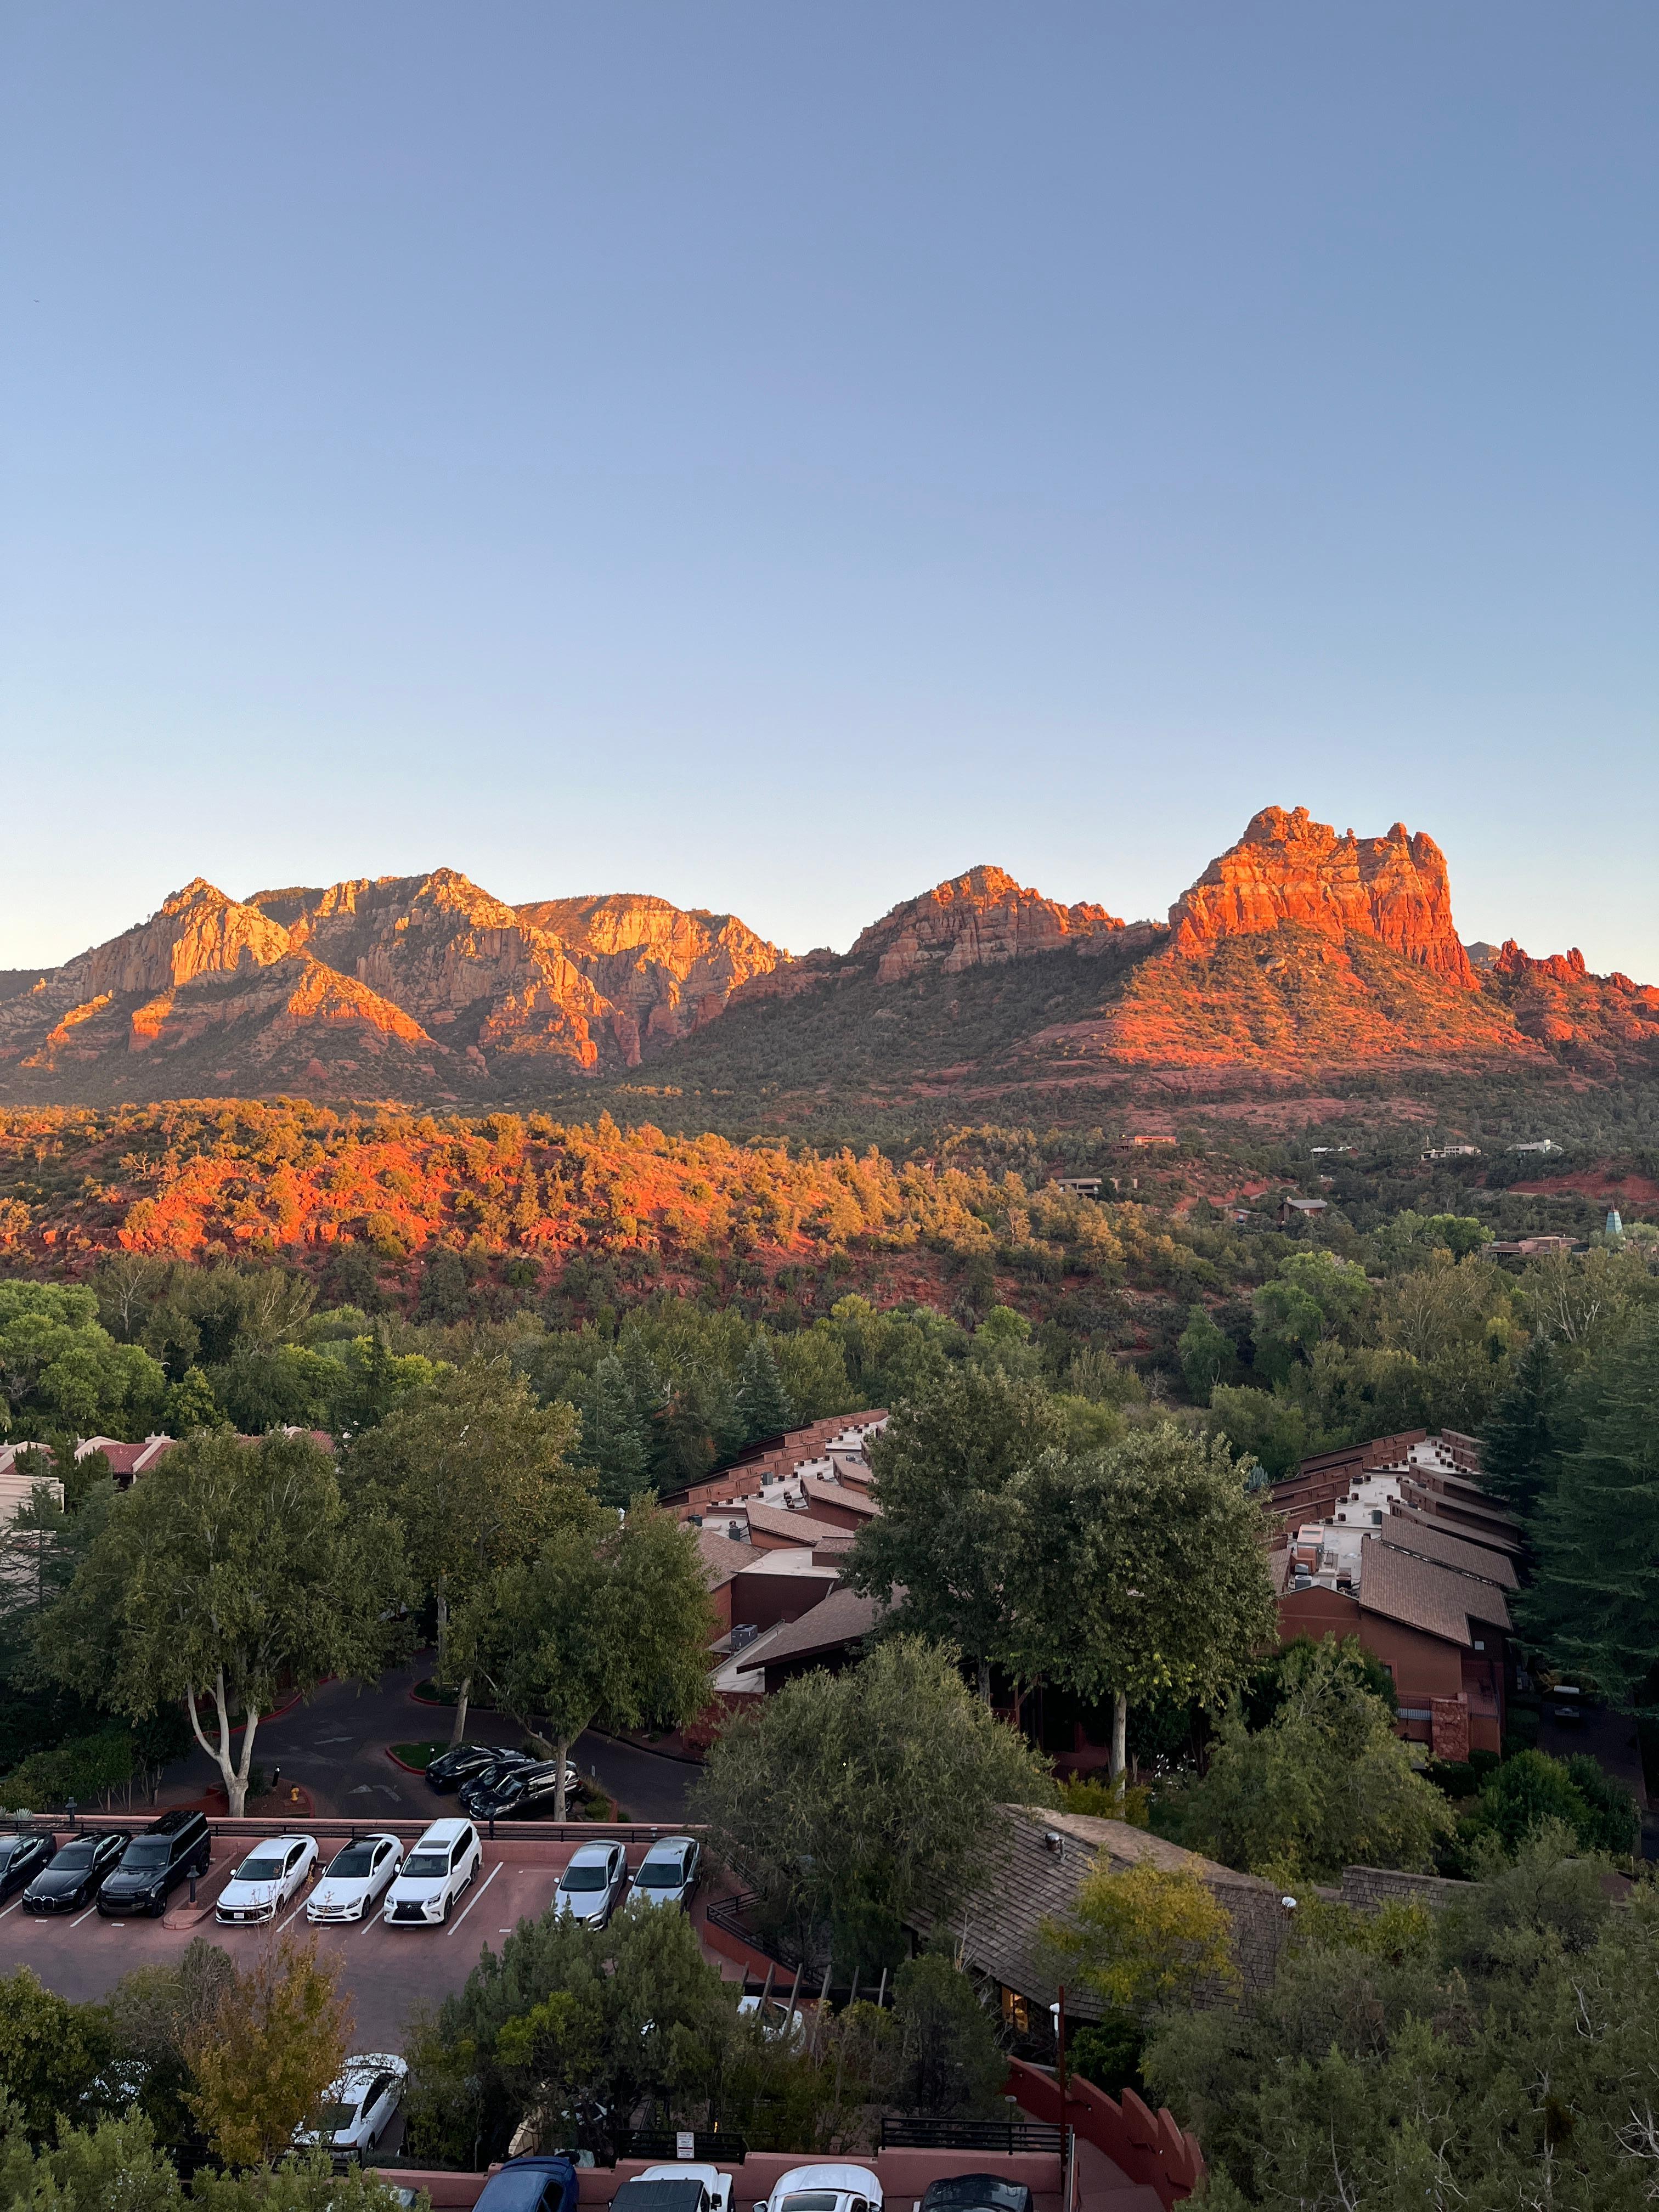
[230, 1576]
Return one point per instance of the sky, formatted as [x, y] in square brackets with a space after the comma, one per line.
[779, 456]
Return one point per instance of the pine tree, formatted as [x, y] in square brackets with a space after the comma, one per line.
[763, 1406]
[1529, 1427]
[613, 1434]
[1594, 1600]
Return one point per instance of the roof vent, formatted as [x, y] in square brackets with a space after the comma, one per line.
[1055, 1842]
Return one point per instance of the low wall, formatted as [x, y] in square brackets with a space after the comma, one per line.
[1150, 2148]
[1368, 1886]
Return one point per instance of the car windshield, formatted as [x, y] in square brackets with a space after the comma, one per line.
[151, 1852]
[584, 1877]
[334, 2117]
[355, 1859]
[74, 1856]
[980, 2190]
[510, 1784]
[8, 1844]
[427, 1864]
[259, 1869]
[812, 2200]
[660, 1874]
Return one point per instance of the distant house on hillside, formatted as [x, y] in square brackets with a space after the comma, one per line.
[1295, 1210]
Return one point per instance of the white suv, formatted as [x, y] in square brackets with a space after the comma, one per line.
[438, 1870]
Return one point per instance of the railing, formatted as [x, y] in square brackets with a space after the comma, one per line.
[733, 1914]
[712, 2147]
[913, 2132]
[250, 1826]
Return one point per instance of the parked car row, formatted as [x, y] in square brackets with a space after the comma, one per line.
[120, 1871]
[498, 1783]
[125, 1873]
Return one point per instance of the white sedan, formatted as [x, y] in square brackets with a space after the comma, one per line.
[360, 2106]
[355, 1879]
[833, 2188]
[272, 1873]
[590, 1885]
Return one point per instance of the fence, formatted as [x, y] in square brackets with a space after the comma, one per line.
[1004, 2137]
[1148, 2147]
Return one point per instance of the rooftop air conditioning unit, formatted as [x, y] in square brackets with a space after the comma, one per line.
[745, 1632]
[738, 1531]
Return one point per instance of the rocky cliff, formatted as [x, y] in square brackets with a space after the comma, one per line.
[1289, 868]
[975, 921]
[1296, 950]
[665, 969]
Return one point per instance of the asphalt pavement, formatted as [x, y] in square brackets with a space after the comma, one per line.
[335, 1747]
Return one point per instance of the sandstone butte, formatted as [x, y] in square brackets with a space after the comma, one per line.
[1287, 867]
[1296, 947]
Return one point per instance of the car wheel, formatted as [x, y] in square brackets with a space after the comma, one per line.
[449, 1906]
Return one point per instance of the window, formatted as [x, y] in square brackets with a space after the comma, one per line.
[1016, 2012]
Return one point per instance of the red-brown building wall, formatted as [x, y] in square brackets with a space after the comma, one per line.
[1423, 1667]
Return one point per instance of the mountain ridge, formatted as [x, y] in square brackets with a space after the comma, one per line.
[1295, 949]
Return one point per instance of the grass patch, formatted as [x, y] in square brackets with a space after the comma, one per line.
[429, 1693]
[420, 1756]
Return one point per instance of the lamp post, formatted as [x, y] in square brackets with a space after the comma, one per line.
[1058, 2013]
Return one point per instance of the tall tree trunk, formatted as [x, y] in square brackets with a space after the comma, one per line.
[984, 1680]
[460, 1729]
[1120, 1737]
[232, 1772]
[561, 1752]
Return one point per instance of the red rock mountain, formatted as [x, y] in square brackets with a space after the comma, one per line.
[665, 970]
[1288, 868]
[976, 921]
[1296, 949]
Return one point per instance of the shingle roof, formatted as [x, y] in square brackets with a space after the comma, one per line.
[721, 1556]
[843, 1495]
[793, 1527]
[1419, 1594]
[843, 1618]
[1001, 1927]
[1431, 1539]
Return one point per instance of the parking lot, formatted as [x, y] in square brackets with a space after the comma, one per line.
[388, 1971]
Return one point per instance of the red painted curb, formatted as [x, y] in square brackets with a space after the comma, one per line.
[404, 1763]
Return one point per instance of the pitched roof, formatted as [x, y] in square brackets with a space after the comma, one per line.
[843, 1618]
[1433, 1539]
[1420, 1595]
[721, 1556]
[778, 1521]
[1001, 1927]
[843, 1495]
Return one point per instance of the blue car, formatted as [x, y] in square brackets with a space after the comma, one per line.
[530, 2184]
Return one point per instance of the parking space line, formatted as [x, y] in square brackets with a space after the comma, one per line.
[487, 1879]
[86, 1915]
[294, 1915]
[11, 1908]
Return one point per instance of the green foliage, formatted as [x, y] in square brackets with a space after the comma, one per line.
[942, 1471]
[950, 2065]
[61, 1369]
[575, 2026]
[609, 1620]
[1206, 1353]
[229, 1574]
[1137, 1571]
[848, 1802]
[1325, 1783]
[1593, 1602]
[764, 1407]
[1485, 2055]
[51, 2052]
[1531, 1790]
[191, 1405]
[115, 2165]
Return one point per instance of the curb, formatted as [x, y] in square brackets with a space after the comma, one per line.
[404, 1763]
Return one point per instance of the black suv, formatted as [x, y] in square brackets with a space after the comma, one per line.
[155, 1864]
[522, 1793]
[467, 1761]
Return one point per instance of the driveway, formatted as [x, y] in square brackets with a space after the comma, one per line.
[335, 1747]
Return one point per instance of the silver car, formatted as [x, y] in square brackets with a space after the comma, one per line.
[667, 1873]
[590, 1885]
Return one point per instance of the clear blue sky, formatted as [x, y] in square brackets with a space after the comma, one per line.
[778, 456]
